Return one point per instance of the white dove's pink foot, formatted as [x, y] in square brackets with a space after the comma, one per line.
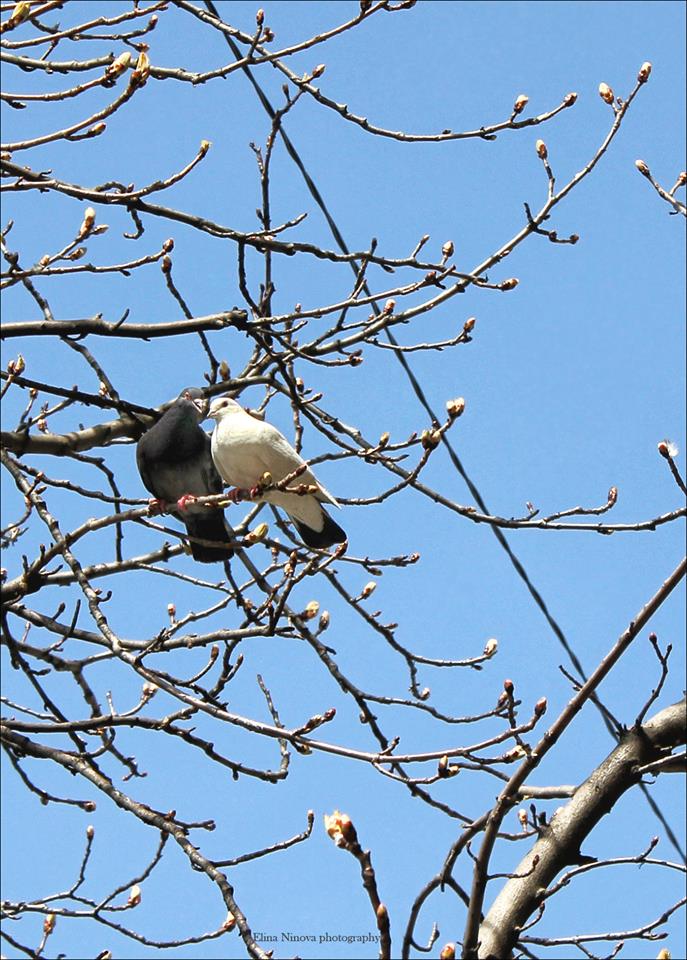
[184, 501]
[156, 507]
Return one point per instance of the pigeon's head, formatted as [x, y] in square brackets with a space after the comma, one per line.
[222, 407]
[195, 396]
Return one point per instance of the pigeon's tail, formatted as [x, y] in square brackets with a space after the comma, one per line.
[209, 526]
[330, 533]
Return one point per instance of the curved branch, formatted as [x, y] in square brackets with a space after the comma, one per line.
[559, 844]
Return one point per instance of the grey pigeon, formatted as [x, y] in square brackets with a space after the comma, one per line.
[175, 464]
[244, 448]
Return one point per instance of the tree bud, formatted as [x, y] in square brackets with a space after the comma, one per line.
[340, 828]
[142, 72]
[469, 324]
[447, 249]
[606, 93]
[311, 610]
[490, 647]
[49, 922]
[448, 952]
[540, 147]
[455, 408]
[668, 449]
[16, 367]
[521, 102]
[118, 66]
[172, 611]
[522, 817]
[88, 221]
[644, 72]
[258, 534]
[368, 589]
[324, 620]
[134, 896]
[642, 167]
[430, 439]
[569, 99]
[540, 707]
[509, 284]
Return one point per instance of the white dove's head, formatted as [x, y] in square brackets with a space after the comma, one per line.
[222, 407]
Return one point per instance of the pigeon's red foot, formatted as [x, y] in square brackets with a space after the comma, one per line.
[156, 507]
[235, 495]
[184, 501]
[256, 491]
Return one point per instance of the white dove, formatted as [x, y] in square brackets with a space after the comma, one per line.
[244, 448]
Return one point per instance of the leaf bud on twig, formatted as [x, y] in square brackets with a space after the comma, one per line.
[569, 99]
[643, 168]
[430, 439]
[142, 72]
[540, 147]
[16, 367]
[644, 72]
[448, 952]
[668, 449]
[606, 93]
[540, 707]
[311, 610]
[118, 66]
[490, 647]
[447, 249]
[134, 896]
[522, 817]
[88, 221]
[455, 407]
[340, 828]
[258, 534]
[509, 284]
[521, 102]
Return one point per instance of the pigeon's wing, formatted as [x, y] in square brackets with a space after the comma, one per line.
[174, 459]
[283, 460]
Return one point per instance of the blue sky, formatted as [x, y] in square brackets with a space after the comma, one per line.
[570, 381]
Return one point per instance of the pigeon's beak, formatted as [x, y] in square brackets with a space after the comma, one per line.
[202, 406]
